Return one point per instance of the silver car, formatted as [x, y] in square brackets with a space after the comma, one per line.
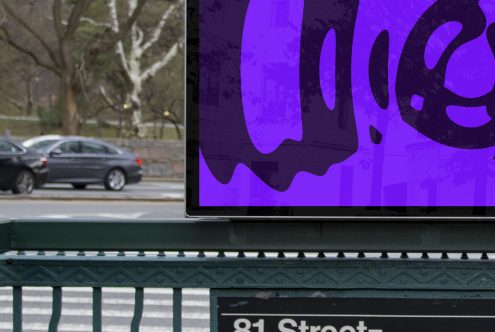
[81, 161]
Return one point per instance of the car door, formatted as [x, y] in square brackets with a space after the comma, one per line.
[95, 160]
[9, 162]
[64, 161]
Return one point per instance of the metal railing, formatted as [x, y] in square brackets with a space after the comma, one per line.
[392, 256]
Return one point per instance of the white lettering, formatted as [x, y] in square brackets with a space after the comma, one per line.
[347, 329]
[303, 327]
[291, 325]
[361, 327]
[287, 321]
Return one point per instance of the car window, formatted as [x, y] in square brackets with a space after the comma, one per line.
[89, 147]
[7, 147]
[42, 145]
[69, 147]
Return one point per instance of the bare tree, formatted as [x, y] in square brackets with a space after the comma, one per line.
[59, 56]
[131, 56]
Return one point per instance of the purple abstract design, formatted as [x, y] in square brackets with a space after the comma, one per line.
[291, 91]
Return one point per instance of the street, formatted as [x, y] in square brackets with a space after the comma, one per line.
[118, 307]
[150, 200]
[146, 190]
[16, 209]
[147, 200]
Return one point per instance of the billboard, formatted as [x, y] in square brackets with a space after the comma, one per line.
[340, 108]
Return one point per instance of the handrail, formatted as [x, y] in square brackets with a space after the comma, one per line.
[215, 235]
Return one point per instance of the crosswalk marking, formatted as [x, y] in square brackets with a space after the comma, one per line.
[105, 313]
[38, 327]
[109, 301]
[124, 290]
[157, 314]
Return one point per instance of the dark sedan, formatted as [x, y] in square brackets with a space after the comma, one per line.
[81, 161]
[21, 169]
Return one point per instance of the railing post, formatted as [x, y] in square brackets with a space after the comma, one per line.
[177, 311]
[138, 309]
[97, 309]
[17, 294]
[56, 309]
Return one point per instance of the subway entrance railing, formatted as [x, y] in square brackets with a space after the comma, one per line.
[393, 259]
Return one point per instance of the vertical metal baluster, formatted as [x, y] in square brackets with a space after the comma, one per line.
[138, 309]
[177, 317]
[56, 309]
[97, 309]
[17, 309]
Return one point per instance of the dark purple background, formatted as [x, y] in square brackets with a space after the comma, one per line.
[407, 168]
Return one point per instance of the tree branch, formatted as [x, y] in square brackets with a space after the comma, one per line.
[151, 71]
[75, 17]
[159, 28]
[8, 40]
[3, 15]
[108, 100]
[15, 103]
[101, 46]
[57, 19]
[95, 23]
[33, 32]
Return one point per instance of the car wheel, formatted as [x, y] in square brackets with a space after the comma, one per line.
[79, 186]
[24, 183]
[115, 180]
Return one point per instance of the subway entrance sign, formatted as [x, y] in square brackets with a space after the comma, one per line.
[326, 312]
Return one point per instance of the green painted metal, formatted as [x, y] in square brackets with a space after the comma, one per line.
[17, 306]
[185, 272]
[56, 309]
[183, 234]
[177, 310]
[138, 309]
[97, 309]
[218, 271]
[6, 233]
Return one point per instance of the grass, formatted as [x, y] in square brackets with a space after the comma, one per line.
[22, 128]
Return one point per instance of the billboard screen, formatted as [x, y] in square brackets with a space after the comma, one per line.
[340, 108]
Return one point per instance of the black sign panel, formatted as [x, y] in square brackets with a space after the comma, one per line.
[303, 314]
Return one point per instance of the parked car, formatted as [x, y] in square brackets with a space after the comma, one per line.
[21, 169]
[81, 161]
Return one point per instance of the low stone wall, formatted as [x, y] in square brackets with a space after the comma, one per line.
[160, 158]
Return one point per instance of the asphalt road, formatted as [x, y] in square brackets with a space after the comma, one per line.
[15, 209]
[118, 307]
[146, 191]
[147, 200]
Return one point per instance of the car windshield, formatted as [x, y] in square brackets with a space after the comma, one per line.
[7, 147]
[41, 145]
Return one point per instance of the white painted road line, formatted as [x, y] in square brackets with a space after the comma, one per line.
[109, 301]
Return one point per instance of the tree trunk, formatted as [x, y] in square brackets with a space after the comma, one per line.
[70, 118]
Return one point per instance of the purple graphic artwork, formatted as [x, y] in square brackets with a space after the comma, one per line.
[346, 103]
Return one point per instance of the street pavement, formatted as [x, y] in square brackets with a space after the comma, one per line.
[147, 200]
[145, 191]
[61, 209]
[118, 306]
